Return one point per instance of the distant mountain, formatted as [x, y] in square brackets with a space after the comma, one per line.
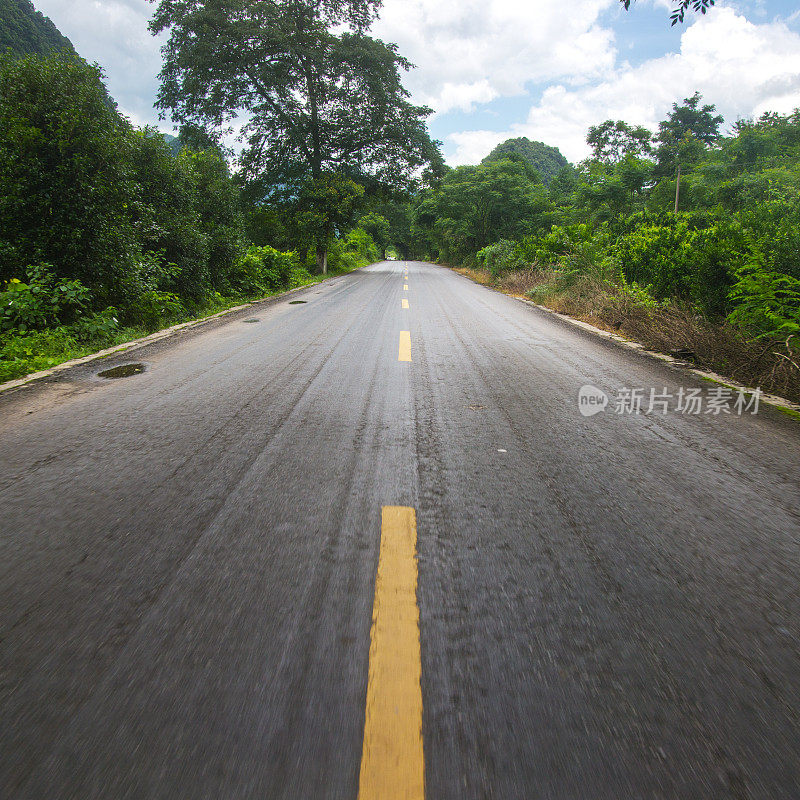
[174, 142]
[546, 160]
[25, 30]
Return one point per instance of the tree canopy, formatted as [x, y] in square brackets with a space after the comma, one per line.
[685, 134]
[612, 141]
[476, 206]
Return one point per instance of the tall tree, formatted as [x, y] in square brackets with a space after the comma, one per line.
[65, 183]
[685, 134]
[612, 141]
[319, 96]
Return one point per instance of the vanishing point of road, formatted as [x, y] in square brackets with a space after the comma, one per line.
[359, 542]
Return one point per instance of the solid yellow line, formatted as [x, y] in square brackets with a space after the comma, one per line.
[405, 287]
[404, 353]
[392, 760]
[404, 303]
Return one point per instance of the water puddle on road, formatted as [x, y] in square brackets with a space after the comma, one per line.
[122, 371]
[297, 302]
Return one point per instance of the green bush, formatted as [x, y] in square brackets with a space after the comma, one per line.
[715, 253]
[44, 301]
[677, 260]
[218, 206]
[500, 257]
[278, 266]
[261, 270]
[299, 276]
[775, 227]
[166, 218]
[765, 301]
[33, 351]
[362, 245]
[97, 327]
[154, 309]
[579, 246]
[658, 257]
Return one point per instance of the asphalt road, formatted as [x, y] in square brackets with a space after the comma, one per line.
[608, 606]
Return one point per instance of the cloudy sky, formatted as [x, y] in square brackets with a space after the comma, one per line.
[492, 69]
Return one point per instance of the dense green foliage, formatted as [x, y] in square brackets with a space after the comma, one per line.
[475, 206]
[327, 114]
[101, 202]
[546, 160]
[65, 187]
[108, 231]
[731, 251]
[25, 30]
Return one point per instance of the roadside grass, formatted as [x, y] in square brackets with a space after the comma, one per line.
[670, 328]
[24, 353]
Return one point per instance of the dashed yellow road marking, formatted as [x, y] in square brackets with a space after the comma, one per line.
[404, 303]
[392, 759]
[405, 287]
[404, 353]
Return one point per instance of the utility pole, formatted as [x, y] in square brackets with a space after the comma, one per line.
[677, 188]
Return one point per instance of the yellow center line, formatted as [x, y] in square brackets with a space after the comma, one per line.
[404, 353]
[392, 760]
[405, 287]
[404, 303]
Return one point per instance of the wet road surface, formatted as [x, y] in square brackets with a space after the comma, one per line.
[600, 607]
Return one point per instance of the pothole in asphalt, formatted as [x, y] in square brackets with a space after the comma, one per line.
[297, 302]
[122, 371]
[251, 320]
[476, 407]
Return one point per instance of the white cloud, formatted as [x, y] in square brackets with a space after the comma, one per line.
[472, 51]
[741, 67]
[114, 34]
[472, 146]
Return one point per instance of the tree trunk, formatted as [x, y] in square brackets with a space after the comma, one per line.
[322, 259]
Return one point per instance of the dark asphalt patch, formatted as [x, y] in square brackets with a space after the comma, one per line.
[297, 302]
[251, 320]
